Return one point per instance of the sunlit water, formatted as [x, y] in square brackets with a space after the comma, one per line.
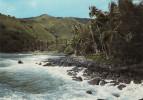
[30, 81]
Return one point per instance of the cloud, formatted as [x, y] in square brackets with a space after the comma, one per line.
[11, 9]
[33, 4]
[6, 8]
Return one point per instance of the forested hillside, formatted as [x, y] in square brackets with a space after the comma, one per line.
[37, 33]
[116, 35]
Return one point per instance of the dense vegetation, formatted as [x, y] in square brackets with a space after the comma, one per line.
[40, 33]
[113, 36]
[117, 34]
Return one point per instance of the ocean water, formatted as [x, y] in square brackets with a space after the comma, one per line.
[30, 81]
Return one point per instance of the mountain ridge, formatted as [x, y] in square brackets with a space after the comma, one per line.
[20, 33]
[80, 20]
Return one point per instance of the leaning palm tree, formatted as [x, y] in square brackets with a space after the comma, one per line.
[95, 44]
[100, 19]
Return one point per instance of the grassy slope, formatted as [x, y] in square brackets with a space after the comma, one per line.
[18, 33]
[31, 28]
[43, 27]
[59, 27]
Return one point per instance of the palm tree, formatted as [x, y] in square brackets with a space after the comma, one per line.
[95, 44]
[100, 19]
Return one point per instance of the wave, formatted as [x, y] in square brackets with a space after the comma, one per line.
[7, 62]
[30, 81]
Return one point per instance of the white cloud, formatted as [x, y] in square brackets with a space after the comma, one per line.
[7, 8]
[11, 9]
[33, 3]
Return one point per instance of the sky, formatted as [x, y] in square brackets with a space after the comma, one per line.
[57, 8]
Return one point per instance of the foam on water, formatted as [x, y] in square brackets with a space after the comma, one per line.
[38, 77]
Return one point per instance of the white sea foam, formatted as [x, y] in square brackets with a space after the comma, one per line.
[8, 62]
[25, 54]
[71, 90]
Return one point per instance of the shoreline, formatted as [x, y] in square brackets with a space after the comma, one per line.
[36, 53]
[97, 72]
[98, 88]
[119, 73]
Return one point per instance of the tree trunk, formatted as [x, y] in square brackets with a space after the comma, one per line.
[102, 44]
[95, 44]
[75, 52]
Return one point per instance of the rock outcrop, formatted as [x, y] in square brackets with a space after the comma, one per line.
[20, 62]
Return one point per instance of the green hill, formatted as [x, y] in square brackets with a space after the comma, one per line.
[59, 27]
[20, 34]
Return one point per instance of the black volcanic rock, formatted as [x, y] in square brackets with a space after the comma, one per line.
[20, 62]
[48, 64]
[96, 72]
[72, 73]
[78, 79]
[116, 95]
[103, 82]
[120, 87]
[88, 92]
[94, 81]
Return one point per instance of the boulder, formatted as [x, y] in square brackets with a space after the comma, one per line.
[116, 95]
[109, 76]
[120, 87]
[88, 92]
[71, 73]
[40, 63]
[103, 82]
[20, 62]
[114, 83]
[76, 69]
[94, 81]
[66, 64]
[90, 65]
[77, 64]
[78, 79]
[127, 81]
[120, 80]
[48, 64]
[137, 81]
[117, 75]
[105, 73]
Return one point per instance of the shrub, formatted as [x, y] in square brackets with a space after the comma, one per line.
[101, 57]
[69, 50]
[56, 47]
[2, 26]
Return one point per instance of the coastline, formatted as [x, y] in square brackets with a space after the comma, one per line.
[97, 73]
[65, 67]
[94, 69]
[36, 53]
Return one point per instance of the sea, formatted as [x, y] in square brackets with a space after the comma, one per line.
[31, 81]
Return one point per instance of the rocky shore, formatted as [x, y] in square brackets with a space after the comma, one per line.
[97, 73]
